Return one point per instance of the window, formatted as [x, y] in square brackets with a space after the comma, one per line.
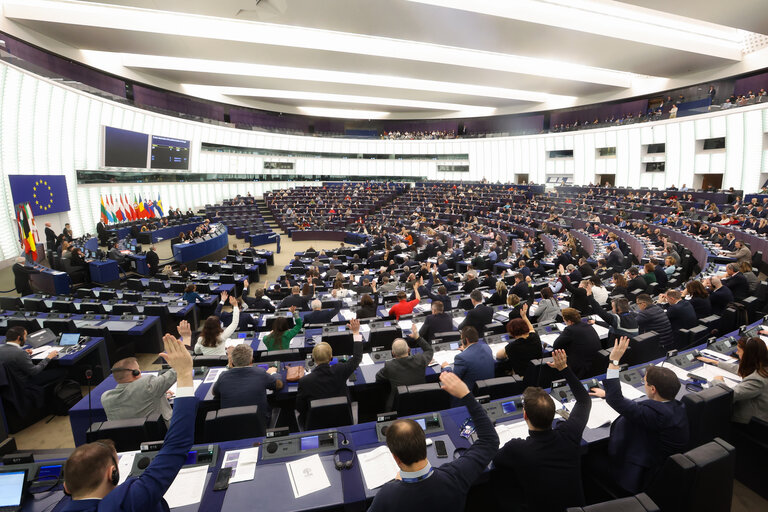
[713, 144]
[279, 165]
[656, 148]
[453, 168]
[603, 152]
[654, 167]
[561, 153]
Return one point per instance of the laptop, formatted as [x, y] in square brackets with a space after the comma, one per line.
[69, 339]
[12, 489]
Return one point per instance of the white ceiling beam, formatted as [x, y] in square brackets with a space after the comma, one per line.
[190, 25]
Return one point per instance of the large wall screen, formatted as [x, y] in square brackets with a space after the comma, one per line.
[168, 153]
[124, 148]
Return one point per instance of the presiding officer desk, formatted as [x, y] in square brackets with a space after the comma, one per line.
[348, 489]
[212, 245]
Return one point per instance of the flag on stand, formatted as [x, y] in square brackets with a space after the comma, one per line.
[25, 222]
[104, 216]
[159, 206]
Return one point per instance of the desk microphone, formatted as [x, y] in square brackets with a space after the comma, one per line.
[88, 376]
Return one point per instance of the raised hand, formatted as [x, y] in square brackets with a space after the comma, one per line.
[185, 331]
[354, 326]
[559, 360]
[179, 358]
[619, 347]
[453, 385]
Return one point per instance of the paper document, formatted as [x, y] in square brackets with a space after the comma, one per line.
[367, 359]
[346, 314]
[560, 326]
[378, 466]
[681, 374]
[365, 328]
[422, 308]
[187, 488]
[601, 414]
[631, 392]
[601, 331]
[195, 384]
[550, 338]
[233, 342]
[405, 324]
[495, 347]
[307, 475]
[717, 356]
[297, 342]
[416, 327]
[41, 353]
[125, 464]
[444, 356]
[243, 464]
[213, 375]
[509, 431]
[710, 372]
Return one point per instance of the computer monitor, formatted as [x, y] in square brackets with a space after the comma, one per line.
[12, 487]
[69, 339]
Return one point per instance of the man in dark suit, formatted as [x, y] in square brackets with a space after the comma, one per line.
[580, 342]
[153, 260]
[101, 231]
[476, 361]
[648, 431]
[50, 237]
[243, 375]
[405, 369]
[736, 282]
[720, 296]
[585, 269]
[438, 321]
[681, 315]
[615, 259]
[521, 288]
[549, 454]
[328, 381]
[19, 361]
[470, 282]
[21, 273]
[320, 315]
[635, 281]
[480, 315]
[258, 302]
[294, 299]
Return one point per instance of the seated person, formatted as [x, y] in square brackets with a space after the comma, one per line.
[367, 307]
[547, 309]
[750, 396]
[445, 488]
[91, 472]
[525, 346]
[259, 302]
[652, 318]
[328, 381]
[211, 341]
[190, 293]
[480, 315]
[404, 306]
[320, 315]
[295, 299]
[580, 341]
[475, 362]
[548, 454]
[405, 369]
[137, 395]
[281, 336]
[19, 361]
[648, 431]
[438, 321]
[242, 375]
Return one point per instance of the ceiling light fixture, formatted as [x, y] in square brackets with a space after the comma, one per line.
[344, 113]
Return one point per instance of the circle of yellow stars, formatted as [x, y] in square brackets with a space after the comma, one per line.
[40, 189]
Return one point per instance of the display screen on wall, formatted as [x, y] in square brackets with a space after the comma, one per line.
[278, 165]
[168, 153]
[124, 148]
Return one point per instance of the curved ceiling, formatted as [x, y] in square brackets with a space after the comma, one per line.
[402, 59]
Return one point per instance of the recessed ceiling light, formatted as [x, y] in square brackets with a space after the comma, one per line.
[339, 112]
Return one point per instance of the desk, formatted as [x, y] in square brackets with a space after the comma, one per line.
[213, 248]
[52, 282]
[140, 260]
[104, 272]
[159, 234]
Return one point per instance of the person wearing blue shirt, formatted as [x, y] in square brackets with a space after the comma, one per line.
[91, 473]
[191, 295]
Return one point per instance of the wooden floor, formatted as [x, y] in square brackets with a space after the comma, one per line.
[56, 433]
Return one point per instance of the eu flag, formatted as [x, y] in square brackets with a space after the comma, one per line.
[45, 193]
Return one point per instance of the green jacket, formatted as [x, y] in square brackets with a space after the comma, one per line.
[285, 343]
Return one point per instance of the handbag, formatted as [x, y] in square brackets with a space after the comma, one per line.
[294, 373]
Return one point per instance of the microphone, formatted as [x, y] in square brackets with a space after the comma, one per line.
[88, 377]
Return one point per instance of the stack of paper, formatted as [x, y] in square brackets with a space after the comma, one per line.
[42, 352]
[717, 356]
[444, 356]
[187, 488]
[601, 414]
[125, 464]
[549, 339]
[307, 475]
[346, 314]
[213, 375]
[710, 372]
[631, 392]
[508, 431]
[601, 331]
[378, 466]
[243, 464]
[233, 342]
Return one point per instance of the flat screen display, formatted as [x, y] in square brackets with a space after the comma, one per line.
[69, 339]
[508, 407]
[11, 488]
[48, 472]
[422, 423]
[168, 153]
[309, 443]
[124, 148]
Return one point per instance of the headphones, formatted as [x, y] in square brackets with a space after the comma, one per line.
[114, 477]
[346, 464]
[135, 373]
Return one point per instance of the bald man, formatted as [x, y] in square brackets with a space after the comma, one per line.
[405, 369]
[137, 395]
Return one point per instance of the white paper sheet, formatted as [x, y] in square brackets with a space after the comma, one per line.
[195, 384]
[41, 353]
[378, 466]
[307, 475]
[710, 372]
[601, 414]
[509, 431]
[296, 342]
[346, 314]
[717, 356]
[405, 324]
[681, 373]
[243, 464]
[187, 488]
[601, 331]
[213, 375]
[444, 356]
[495, 347]
[631, 392]
[125, 464]
[550, 338]
[367, 360]
[233, 342]
[365, 328]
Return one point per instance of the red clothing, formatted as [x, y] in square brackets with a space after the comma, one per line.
[403, 308]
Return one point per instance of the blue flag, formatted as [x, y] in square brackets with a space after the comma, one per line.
[45, 193]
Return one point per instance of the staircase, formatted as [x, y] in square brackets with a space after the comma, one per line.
[269, 219]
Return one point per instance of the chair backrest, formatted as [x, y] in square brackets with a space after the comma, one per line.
[227, 278]
[328, 413]
[342, 343]
[131, 296]
[60, 326]
[234, 423]
[643, 348]
[120, 309]
[420, 398]
[637, 503]
[63, 306]
[209, 361]
[700, 479]
[538, 373]
[709, 414]
[443, 337]
[178, 286]
[499, 387]
[30, 324]
[11, 303]
[384, 336]
[35, 305]
[83, 293]
[156, 285]
[291, 354]
[129, 433]
[107, 294]
[92, 307]
[135, 284]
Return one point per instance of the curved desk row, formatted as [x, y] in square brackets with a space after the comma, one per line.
[755, 241]
[698, 250]
[157, 235]
[214, 248]
[337, 236]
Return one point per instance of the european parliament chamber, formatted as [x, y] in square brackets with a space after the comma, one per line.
[396, 256]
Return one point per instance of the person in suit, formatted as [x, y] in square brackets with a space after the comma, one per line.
[579, 294]
[750, 396]
[243, 375]
[326, 381]
[19, 361]
[115, 254]
[480, 315]
[615, 259]
[153, 260]
[137, 395]
[521, 288]
[736, 281]
[91, 473]
[258, 302]
[101, 231]
[320, 315]
[720, 296]
[21, 274]
[367, 307]
[475, 362]
[405, 369]
[469, 285]
[681, 315]
[50, 237]
[528, 467]
[295, 299]
[648, 431]
[741, 252]
[652, 318]
[438, 321]
[636, 281]
[445, 488]
[580, 342]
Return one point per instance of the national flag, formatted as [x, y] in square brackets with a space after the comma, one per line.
[104, 216]
[24, 220]
[33, 225]
[149, 206]
[110, 211]
[142, 211]
[119, 210]
[159, 206]
[45, 194]
[129, 208]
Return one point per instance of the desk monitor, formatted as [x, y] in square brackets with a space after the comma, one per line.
[508, 407]
[49, 472]
[69, 339]
[310, 443]
[12, 488]
[422, 423]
